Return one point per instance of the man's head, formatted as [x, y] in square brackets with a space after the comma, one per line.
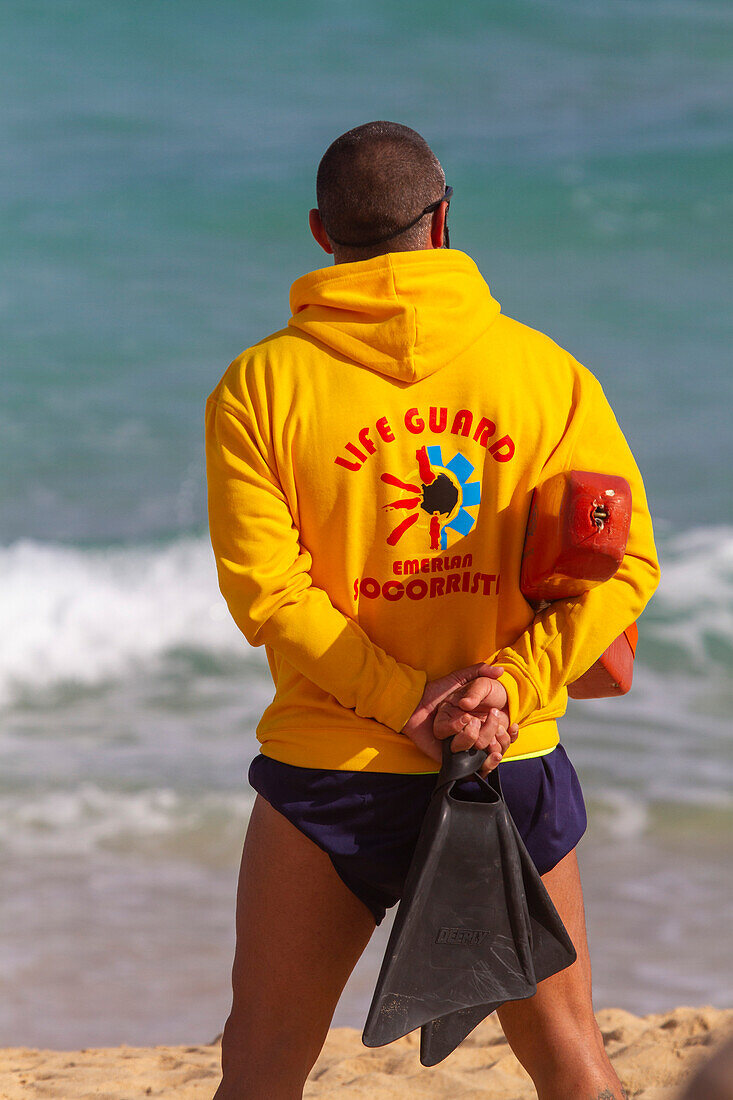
[373, 184]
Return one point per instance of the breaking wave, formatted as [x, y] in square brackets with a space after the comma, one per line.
[88, 616]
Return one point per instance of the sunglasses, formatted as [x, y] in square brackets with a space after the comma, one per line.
[446, 197]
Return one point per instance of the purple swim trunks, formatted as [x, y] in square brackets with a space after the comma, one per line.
[368, 822]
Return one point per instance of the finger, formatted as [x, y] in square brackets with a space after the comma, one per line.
[450, 720]
[449, 711]
[487, 737]
[468, 736]
[499, 720]
[474, 695]
[472, 672]
[492, 761]
[497, 742]
[491, 723]
[503, 739]
[438, 690]
[481, 694]
[476, 698]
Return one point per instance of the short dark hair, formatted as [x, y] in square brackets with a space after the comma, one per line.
[373, 181]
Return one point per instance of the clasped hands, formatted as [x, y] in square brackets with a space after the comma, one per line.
[469, 705]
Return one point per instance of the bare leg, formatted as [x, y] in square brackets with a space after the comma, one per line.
[554, 1034]
[300, 931]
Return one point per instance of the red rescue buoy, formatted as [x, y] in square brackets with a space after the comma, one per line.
[576, 537]
[613, 671]
[576, 534]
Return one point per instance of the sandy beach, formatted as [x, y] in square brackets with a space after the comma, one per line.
[653, 1055]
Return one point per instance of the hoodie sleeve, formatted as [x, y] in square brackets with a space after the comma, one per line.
[566, 638]
[264, 576]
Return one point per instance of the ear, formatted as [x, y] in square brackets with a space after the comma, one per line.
[318, 231]
[437, 226]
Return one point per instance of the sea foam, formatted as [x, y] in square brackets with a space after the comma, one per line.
[694, 604]
[86, 616]
[85, 818]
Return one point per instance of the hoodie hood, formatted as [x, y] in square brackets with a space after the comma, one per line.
[403, 314]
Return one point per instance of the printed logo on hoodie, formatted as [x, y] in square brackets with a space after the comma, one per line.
[442, 492]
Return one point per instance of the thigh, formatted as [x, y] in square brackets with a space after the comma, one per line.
[300, 931]
[557, 1025]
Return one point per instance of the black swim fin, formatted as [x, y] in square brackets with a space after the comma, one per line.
[461, 939]
[552, 951]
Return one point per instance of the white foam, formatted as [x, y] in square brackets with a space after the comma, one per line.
[87, 818]
[90, 615]
[698, 569]
[623, 815]
[693, 608]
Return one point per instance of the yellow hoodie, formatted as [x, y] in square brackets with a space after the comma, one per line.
[370, 471]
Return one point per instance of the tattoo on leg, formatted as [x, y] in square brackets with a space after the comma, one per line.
[607, 1094]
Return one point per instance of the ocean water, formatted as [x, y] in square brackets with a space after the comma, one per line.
[158, 166]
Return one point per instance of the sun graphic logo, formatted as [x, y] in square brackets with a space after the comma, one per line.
[440, 495]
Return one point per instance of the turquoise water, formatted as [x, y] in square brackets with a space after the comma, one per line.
[158, 166]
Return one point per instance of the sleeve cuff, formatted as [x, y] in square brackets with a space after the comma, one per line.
[399, 699]
[521, 696]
